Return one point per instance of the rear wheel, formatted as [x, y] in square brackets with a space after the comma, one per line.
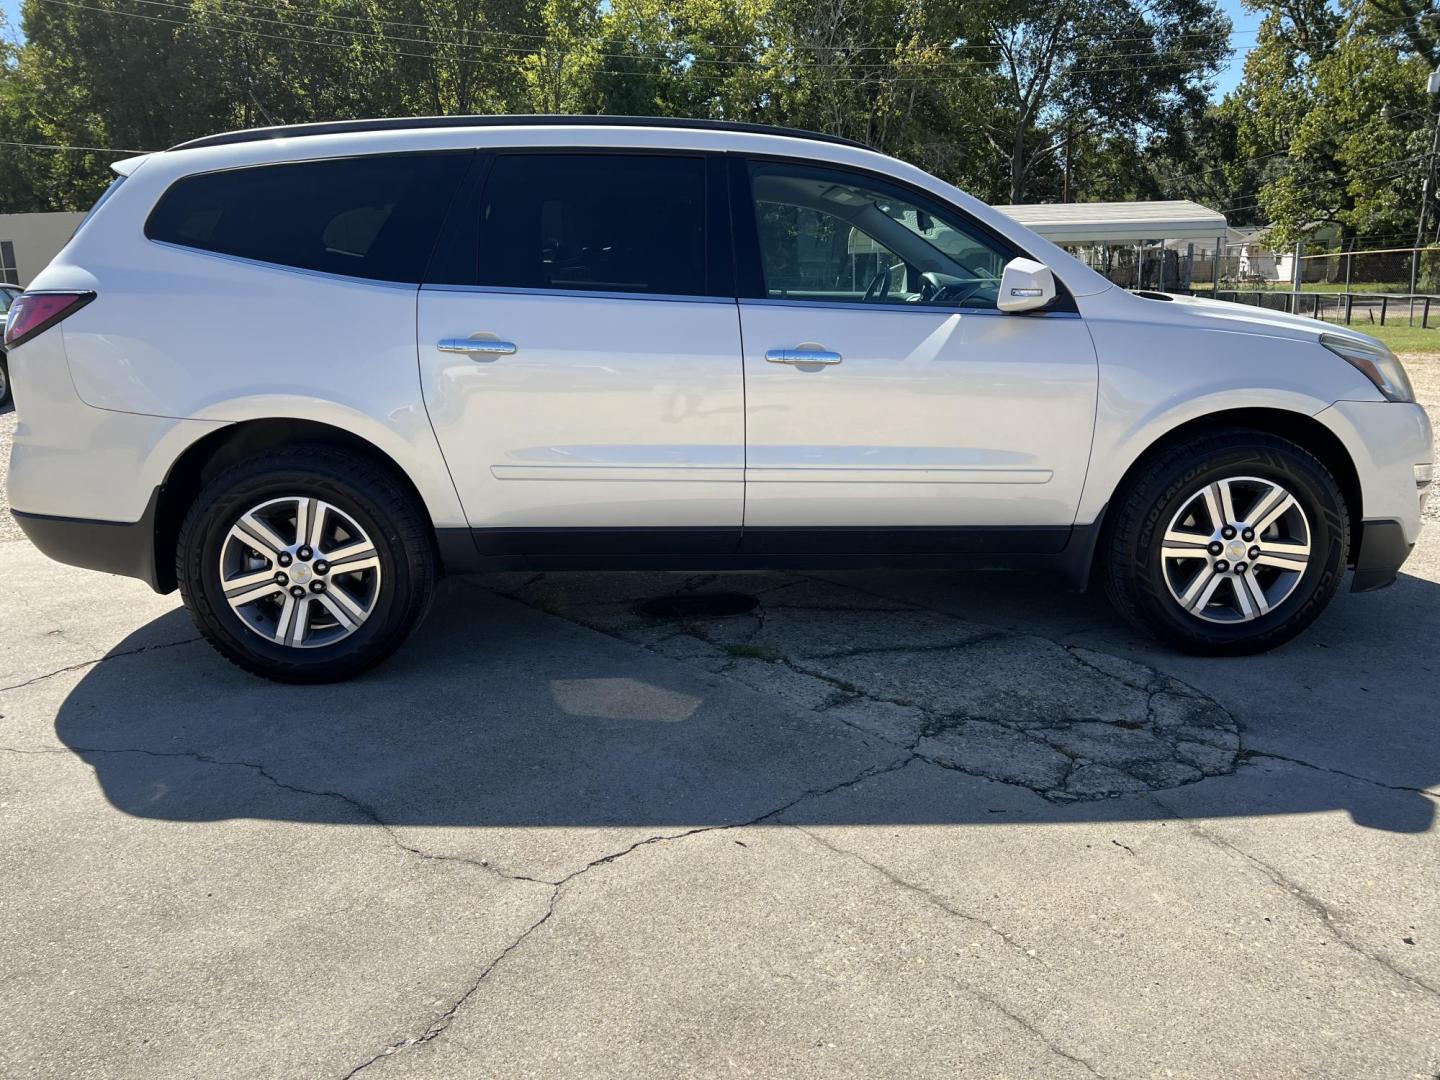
[4, 381]
[1228, 543]
[306, 564]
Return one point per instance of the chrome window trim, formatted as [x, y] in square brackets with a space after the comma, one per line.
[245, 261]
[587, 294]
[928, 309]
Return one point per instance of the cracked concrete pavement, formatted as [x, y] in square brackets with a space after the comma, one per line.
[1064, 721]
[886, 824]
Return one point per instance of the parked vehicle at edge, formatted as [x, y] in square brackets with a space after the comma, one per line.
[8, 293]
[301, 373]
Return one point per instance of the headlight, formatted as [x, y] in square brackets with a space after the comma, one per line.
[1376, 362]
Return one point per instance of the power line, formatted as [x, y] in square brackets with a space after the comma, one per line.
[515, 34]
[1306, 185]
[77, 149]
[195, 24]
[1161, 178]
[1196, 54]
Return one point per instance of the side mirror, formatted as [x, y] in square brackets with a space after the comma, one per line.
[1025, 285]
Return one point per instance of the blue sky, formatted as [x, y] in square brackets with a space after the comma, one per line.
[1245, 22]
[1243, 37]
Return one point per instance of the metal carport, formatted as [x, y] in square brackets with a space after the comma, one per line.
[1101, 227]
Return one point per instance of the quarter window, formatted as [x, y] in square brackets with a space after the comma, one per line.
[371, 217]
[628, 223]
[830, 235]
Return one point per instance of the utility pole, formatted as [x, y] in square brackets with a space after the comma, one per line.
[1433, 86]
[1432, 20]
[1069, 150]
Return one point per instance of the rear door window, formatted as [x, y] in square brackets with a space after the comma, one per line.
[624, 223]
[370, 217]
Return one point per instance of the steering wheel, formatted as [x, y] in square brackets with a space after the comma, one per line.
[933, 290]
[879, 286]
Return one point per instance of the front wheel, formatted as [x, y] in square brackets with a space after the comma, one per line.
[1231, 542]
[306, 564]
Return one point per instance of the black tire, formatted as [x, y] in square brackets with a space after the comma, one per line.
[4, 381]
[375, 499]
[1159, 489]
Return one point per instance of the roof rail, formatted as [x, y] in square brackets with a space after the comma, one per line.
[345, 127]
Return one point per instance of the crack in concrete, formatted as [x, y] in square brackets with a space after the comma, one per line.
[1098, 762]
[363, 810]
[98, 660]
[1317, 907]
[929, 896]
[881, 650]
[1028, 1025]
[938, 723]
[442, 1022]
[1247, 756]
[934, 900]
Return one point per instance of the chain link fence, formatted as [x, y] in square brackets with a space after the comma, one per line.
[1376, 286]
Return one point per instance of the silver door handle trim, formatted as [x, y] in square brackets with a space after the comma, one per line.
[484, 346]
[803, 356]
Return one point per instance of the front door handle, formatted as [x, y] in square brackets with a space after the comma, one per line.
[482, 346]
[803, 356]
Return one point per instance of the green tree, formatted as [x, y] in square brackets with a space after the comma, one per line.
[984, 93]
[1333, 109]
[1097, 68]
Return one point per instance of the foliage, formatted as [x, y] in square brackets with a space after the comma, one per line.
[1333, 103]
[1014, 100]
[987, 94]
[1102, 68]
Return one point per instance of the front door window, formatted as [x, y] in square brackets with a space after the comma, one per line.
[827, 235]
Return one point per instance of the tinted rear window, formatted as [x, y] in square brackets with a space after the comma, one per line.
[598, 222]
[371, 217]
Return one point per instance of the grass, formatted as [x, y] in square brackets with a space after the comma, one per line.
[1328, 287]
[1355, 287]
[1403, 338]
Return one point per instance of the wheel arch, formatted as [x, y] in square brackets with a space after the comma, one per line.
[218, 450]
[1300, 428]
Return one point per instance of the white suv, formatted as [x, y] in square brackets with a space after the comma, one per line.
[301, 372]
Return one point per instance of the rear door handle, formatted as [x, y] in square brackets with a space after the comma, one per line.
[482, 346]
[803, 356]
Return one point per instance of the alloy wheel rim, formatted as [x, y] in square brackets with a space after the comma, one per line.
[300, 572]
[1236, 550]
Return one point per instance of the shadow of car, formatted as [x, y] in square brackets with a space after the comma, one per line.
[505, 717]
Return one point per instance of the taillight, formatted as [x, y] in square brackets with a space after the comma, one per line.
[35, 312]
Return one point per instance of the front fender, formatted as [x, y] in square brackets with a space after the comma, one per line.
[1157, 375]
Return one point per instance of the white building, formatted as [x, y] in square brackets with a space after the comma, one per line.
[29, 241]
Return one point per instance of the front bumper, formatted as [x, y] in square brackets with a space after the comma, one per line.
[1381, 551]
[112, 547]
[1385, 441]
